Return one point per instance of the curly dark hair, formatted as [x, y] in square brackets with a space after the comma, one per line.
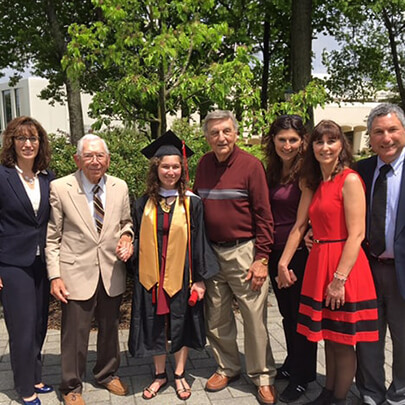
[311, 170]
[274, 165]
[153, 183]
[25, 126]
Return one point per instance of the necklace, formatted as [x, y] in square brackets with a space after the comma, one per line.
[28, 179]
[165, 206]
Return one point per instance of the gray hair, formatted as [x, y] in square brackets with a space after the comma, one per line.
[382, 110]
[219, 115]
[90, 137]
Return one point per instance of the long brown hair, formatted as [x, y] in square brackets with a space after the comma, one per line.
[311, 170]
[153, 183]
[23, 126]
[274, 164]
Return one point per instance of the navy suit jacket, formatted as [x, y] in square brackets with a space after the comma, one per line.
[21, 231]
[366, 170]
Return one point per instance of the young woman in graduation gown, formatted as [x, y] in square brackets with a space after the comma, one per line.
[171, 261]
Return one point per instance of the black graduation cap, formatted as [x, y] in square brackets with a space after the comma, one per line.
[167, 144]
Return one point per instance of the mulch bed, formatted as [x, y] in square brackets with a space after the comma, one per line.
[54, 318]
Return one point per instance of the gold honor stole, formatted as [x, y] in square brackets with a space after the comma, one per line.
[178, 241]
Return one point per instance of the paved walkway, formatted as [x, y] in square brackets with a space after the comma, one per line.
[138, 373]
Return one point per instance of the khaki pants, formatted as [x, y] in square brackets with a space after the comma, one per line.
[221, 326]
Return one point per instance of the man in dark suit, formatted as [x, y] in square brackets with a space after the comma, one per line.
[386, 245]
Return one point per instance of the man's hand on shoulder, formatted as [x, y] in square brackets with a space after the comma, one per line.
[58, 290]
[257, 274]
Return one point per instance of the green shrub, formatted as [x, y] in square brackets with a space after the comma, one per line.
[127, 162]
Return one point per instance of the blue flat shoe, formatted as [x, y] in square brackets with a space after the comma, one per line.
[43, 390]
[35, 401]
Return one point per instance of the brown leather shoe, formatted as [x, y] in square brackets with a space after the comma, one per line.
[116, 386]
[218, 382]
[73, 398]
[267, 394]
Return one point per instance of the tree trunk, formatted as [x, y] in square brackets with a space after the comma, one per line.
[75, 111]
[266, 63]
[162, 102]
[301, 45]
[72, 87]
[395, 58]
[301, 40]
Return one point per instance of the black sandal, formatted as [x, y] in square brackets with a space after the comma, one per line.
[183, 389]
[161, 376]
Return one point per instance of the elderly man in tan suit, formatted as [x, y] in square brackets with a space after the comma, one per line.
[89, 239]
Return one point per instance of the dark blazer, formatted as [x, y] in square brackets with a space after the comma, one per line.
[366, 170]
[21, 231]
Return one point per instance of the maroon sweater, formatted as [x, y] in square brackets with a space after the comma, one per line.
[236, 199]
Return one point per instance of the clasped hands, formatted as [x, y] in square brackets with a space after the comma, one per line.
[125, 248]
[286, 277]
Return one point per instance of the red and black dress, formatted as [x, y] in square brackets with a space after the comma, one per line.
[356, 320]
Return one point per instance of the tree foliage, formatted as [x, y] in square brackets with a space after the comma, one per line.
[33, 33]
[371, 57]
[147, 58]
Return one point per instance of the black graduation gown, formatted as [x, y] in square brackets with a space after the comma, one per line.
[147, 335]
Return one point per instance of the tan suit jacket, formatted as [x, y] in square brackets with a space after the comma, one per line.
[75, 251]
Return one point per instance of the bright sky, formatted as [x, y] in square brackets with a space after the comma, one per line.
[318, 45]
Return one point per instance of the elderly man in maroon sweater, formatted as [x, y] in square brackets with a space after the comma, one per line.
[232, 185]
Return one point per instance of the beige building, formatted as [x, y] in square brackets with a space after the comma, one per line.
[352, 117]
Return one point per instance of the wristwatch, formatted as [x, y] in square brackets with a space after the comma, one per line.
[264, 261]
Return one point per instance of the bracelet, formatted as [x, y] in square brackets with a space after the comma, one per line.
[340, 276]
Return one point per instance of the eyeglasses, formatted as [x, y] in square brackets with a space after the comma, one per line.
[90, 156]
[23, 139]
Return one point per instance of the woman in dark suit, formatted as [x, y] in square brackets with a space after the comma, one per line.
[24, 212]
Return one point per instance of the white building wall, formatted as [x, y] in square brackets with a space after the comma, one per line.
[53, 118]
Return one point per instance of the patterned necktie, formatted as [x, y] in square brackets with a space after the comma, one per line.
[378, 212]
[98, 208]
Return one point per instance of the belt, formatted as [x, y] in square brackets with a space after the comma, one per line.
[328, 240]
[384, 260]
[231, 243]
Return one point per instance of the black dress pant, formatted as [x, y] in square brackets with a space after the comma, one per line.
[301, 353]
[25, 299]
[76, 324]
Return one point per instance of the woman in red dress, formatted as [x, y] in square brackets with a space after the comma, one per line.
[338, 299]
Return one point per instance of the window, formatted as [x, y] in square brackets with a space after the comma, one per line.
[8, 116]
